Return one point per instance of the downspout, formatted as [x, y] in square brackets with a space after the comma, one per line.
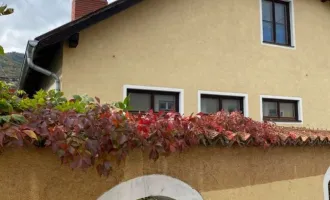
[32, 44]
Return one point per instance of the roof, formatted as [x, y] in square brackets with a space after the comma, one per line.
[286, 136]
[235, 129]
[65, 31]
[51, 41]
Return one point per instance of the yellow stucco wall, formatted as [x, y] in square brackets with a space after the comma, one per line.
[299, 189]
[210, 45]
[294, 173]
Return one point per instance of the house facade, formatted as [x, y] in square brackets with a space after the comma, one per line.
[267, 59]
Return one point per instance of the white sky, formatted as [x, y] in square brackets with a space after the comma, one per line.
[31, 19]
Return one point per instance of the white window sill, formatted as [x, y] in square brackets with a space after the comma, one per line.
[280, 46]
[288, 123]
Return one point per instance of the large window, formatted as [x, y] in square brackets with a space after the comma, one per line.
[276, 22]
[215, 103]
[280, 110]
[145, 100]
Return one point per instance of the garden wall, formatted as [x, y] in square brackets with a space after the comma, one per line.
[216, 172]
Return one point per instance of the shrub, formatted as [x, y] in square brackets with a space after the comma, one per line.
[83, 132]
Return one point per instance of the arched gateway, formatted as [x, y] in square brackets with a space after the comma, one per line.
[158, 186]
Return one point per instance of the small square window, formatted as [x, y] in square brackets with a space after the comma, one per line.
[280, 110]
[215, 103]
[276, 24]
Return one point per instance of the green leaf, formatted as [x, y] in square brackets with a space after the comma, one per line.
[62, 99]
[126, 101]
[51, 93]
[5, 118]
[59, 94]
[77, 97]
[8, 11]
[18, 118]
[21, 92]
[121, 105]
[5, 106]
[3, 8]
[2, 51]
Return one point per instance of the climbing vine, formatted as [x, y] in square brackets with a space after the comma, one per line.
[83, 132]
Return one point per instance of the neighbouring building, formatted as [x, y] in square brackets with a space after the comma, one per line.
[266, 58]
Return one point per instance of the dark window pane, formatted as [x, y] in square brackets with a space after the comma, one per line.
[269, 109]
[287, 110]
[164, 103]
[281, 110]
[210, 105]
[268, 31]
[281, 34]
[267, 11]
[280, 13]
[231, 105]
[140, 101]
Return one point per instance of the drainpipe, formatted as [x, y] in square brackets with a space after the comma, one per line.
[32, 44]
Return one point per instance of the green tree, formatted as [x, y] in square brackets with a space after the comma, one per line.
[4, 10]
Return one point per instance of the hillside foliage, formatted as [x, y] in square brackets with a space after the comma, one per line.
[10, 67]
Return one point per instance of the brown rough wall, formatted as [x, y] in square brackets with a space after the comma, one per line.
[36, 174]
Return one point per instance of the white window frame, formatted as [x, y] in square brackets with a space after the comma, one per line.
[244, 96]
[326, 181]
[300, 107]
[163, 89]
[292, 27]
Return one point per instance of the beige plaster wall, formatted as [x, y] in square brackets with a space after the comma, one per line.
[217, 173]
[299, 189]
[205, 45]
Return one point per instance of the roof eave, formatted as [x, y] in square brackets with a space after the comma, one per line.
[63, 32]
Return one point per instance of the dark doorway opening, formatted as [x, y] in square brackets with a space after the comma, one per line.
[156, 198]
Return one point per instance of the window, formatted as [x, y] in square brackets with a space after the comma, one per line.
[280, 110]
[215, 103]
[145, 100]
[276, 24]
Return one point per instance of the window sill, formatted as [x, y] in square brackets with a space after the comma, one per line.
[278, 121]
[278, 45]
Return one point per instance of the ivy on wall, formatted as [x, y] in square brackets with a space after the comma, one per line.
[83, 132]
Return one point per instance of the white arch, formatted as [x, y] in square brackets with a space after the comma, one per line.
[152, 185]
[326, 181]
